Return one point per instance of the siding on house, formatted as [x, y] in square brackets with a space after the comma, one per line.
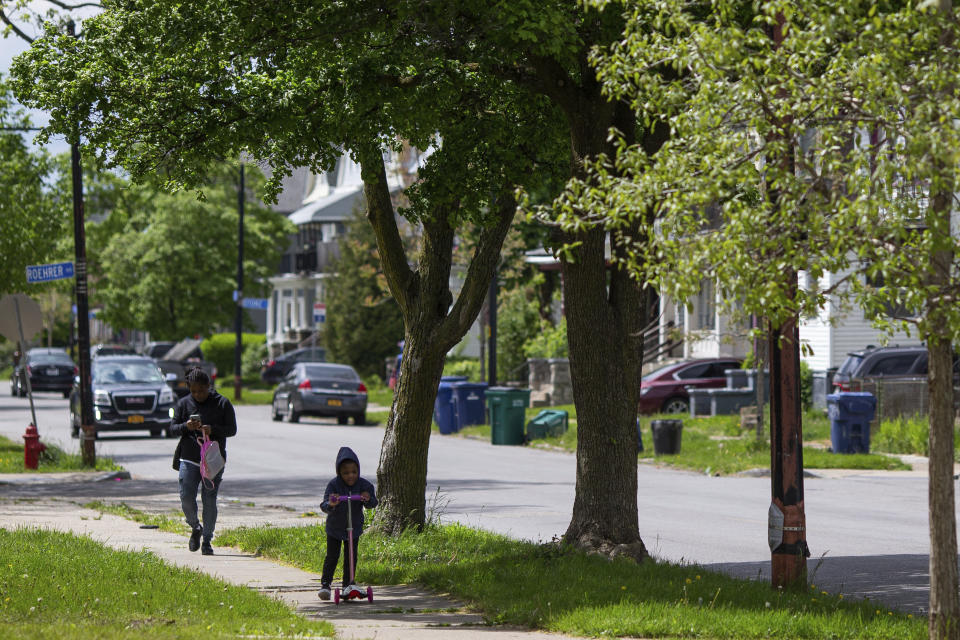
[848, 331]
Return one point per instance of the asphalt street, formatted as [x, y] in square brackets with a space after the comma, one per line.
[867, 531]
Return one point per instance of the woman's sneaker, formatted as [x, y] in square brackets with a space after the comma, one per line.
[324, 592]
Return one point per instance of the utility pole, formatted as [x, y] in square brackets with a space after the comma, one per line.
[88, 430]
[492, 377]
[787, 525]
[238, 350]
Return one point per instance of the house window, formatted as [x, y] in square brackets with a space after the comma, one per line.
[706, 306]
[891, 309]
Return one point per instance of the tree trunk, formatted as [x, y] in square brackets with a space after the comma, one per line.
[604, 341]
[432, 326]
[606, 311]
[402, 475]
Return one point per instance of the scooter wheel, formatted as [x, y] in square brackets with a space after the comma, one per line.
[369, 594]
[336, 596]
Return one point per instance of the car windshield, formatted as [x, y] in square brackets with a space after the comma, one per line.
[656, 372]
[50, 358]
[849, 365]
[126, 372]
[335, 373]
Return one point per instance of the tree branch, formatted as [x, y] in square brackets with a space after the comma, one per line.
[481, 269]
[400, 278]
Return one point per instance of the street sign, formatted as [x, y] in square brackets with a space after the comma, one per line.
[48, 272]
[319, 312]
[255, 303]
[19, 307]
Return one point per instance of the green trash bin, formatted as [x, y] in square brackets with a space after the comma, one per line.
[507, 414]
[549, 423]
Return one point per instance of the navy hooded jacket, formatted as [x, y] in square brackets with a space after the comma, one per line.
[337, 516]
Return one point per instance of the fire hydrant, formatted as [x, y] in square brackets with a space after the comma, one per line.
[32, 448]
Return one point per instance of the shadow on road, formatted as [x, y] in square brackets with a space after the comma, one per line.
[900, 581]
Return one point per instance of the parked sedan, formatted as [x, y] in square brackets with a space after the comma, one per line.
[320, 389]
[275, 370]
[665, 390]
[129, 394]
[49, 370]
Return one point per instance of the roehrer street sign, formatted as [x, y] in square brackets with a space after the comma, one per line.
[48, 272]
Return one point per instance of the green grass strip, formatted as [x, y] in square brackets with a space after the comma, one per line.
[173, 524]
[558, 589]
[52, 460]
[56, 585]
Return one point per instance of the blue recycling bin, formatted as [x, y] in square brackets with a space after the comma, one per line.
[443, 406]
[850, 416]
[469, 403]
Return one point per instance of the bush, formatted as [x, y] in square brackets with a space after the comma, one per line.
[806, 385]
[469, 367]
[517, 322]
[903, 435]
[549, 342]
[219, 349]
[253, 354]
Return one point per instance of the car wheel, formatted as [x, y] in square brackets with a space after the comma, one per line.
[360, 419]
[342, 419]
[74, 429]
[676, 405]
[292, 415]
[274, 412]
[156, 433]
[21, 389]
[66, 394]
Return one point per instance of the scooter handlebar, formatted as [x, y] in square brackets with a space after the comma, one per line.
[350, 497]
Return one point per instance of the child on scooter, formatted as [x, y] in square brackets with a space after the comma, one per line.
[347, 482]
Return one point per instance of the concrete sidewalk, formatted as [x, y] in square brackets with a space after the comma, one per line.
[399, 612]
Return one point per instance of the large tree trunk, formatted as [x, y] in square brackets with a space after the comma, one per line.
[605, 344]
[431, 328]
[606, 312]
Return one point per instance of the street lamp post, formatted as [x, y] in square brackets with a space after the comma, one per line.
[238, 350]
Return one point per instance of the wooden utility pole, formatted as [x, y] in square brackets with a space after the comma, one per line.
[88, 429]
[787, 525]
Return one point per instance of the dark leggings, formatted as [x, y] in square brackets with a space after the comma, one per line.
[333, 558]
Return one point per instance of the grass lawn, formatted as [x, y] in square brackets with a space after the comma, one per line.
[56, 585]
[716, 445]
[558, 589]
[173, 523]
[248, 395]
[53, 459]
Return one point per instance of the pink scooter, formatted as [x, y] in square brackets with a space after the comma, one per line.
[351, 593]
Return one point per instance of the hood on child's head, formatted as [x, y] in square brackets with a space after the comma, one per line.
[345, 454]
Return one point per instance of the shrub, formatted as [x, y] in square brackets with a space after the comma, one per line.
[469, 367]
[806, 385]
[550, 342]
[903, 435]
[253, 354]
[219, 349]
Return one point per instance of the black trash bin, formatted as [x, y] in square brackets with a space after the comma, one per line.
[666, 436]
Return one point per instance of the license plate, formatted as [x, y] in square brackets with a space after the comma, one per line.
[135, 419]
[334, 402]
[182, 384]
[51, 372]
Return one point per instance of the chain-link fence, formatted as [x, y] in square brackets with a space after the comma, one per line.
[900, 398]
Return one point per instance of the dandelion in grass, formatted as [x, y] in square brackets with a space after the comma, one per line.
[689, 581]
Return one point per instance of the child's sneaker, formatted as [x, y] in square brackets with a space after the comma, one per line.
[324, 592]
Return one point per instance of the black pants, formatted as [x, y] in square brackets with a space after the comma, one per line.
[333, 558]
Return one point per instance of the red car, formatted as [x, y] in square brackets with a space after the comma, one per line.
[665, 389]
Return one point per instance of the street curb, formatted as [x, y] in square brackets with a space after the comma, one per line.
[62, 477]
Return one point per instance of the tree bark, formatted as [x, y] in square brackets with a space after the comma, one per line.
[433, 324]
[606, 311]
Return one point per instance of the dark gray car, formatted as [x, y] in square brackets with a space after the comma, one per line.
[129, 393]
[880, 362]
[49, 370]
[320, 389]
